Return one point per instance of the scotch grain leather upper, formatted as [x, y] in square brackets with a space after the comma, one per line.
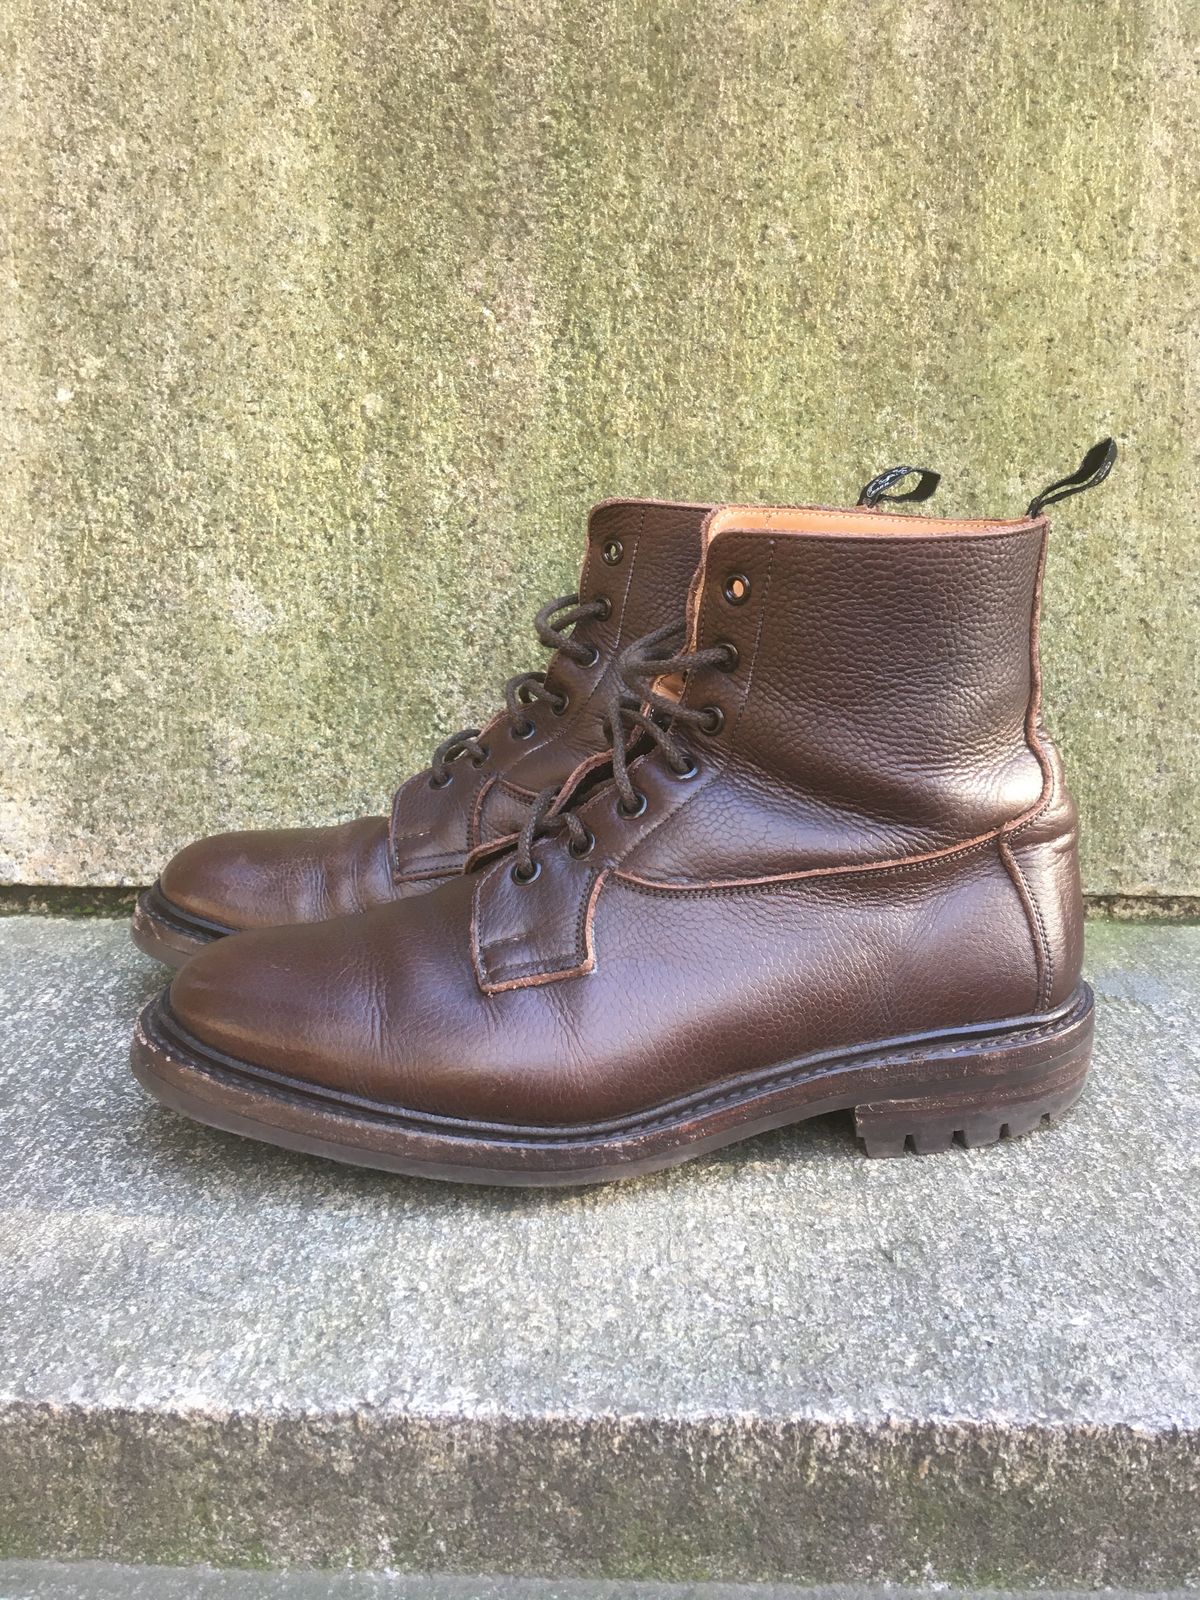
[842, 873]
[639, 560]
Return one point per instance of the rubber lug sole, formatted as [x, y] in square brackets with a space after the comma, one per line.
[972, 1086]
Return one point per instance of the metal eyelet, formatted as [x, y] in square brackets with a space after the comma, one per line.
[561, 706]
[442, 782]
[519, 877]
[684, 773]
[603, 601]
[525, 729]
[583, 847]
[712, 720]
[592, 659]
[730, 663]
[613, 551]
[639, 805]
[737, 588]
[481, 759]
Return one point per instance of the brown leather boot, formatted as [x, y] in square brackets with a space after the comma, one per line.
[842, 874]
[639, 560]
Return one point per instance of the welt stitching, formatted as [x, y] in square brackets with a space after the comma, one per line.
[785, 1082]
[154, 1033]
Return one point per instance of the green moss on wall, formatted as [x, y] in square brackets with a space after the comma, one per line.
[327, 322]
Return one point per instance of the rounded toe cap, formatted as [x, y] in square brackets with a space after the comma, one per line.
[363, 1006]
[214, 879]
[267, 877]
[257, 997]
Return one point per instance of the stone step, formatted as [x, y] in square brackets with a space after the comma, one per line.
[92, 1580]
[780, 1363]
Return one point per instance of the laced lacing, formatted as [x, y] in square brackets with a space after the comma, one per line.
[633, 712]
[526, 688]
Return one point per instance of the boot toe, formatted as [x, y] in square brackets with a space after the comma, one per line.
[265, 877]
[257, 997]
[353, 1007]
[219, 879]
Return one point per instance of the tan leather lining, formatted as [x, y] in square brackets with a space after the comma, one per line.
[838, 520]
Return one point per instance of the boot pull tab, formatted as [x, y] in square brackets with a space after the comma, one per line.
[1093, 469]
[877, 489]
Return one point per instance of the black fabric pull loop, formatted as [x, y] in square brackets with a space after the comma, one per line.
[1093, 469]
[878, 488]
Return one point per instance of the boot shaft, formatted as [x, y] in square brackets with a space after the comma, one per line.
[883, 710]
[886, 697]
[871, 734]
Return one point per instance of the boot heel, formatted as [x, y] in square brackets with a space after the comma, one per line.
[987, 1089]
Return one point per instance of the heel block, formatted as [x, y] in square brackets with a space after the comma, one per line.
[1001, 1086]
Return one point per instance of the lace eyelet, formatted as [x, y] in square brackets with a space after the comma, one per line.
[737, 588]
[712, 720]
[562, 705]
[613, 551]
[518, 877]
[481, 759]
[684, 773]
[443, 782]
[584, 847]
[605, 603]
[730, 663]
[523, 729]
[592, 658]
[639, 805]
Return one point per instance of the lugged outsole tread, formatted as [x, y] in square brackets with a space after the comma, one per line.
[936, 1141]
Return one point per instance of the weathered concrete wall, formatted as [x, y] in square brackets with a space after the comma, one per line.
[325, 321]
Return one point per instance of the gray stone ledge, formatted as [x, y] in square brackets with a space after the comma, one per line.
[90, 1580]
[782, 1363]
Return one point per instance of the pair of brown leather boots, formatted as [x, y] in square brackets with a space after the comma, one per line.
[779, 832]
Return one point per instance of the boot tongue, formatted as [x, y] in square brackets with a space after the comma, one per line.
[671, 687]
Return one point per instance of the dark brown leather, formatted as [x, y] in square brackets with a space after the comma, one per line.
[877, 843]
[265, 877]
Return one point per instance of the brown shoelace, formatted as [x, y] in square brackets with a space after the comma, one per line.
[633, 713]
[525, 688]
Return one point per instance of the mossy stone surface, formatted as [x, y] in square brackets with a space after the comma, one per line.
[324, 324]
